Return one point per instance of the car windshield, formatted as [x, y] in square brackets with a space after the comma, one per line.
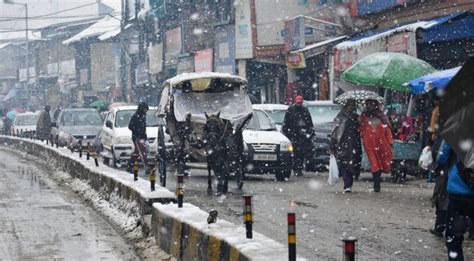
[277, 116]
[323, 114]
[25, 120]
[81, 118]
[260, 121]
[123, 118]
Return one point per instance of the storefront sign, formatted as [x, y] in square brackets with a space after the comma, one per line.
[294, 34]
[185, 65]
[224, 42]
[155, 58]
[369, 6]
[173, 44]
[243, 30]
[203, 60]
[295, 61]
[141, 74]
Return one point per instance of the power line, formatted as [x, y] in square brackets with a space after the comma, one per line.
[58, 12]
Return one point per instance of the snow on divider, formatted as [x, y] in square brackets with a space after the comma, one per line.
[259, 247]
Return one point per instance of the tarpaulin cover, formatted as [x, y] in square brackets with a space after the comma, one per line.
[438, 80]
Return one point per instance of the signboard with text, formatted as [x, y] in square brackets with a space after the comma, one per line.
[224, 44]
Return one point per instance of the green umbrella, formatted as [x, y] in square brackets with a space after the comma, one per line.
[387, 70]
[99, 105]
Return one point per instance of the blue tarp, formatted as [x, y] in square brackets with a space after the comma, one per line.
[449, 28]
[438, 80]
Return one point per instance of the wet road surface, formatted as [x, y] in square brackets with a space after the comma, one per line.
[391, 225]
[42, 221]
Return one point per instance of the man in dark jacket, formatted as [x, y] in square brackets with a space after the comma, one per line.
[43, 126]
[346, 145]
[298, 127]
[137, 125]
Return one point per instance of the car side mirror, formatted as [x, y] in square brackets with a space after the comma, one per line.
[109, 124]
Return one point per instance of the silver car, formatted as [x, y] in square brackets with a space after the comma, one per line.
[74, 125]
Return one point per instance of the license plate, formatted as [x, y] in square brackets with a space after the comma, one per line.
[265, 157]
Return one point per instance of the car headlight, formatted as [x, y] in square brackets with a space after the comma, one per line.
[286, 146]
[123, 140]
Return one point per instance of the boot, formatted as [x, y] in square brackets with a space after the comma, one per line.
[377, 179]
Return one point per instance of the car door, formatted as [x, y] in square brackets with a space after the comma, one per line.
[107, 132]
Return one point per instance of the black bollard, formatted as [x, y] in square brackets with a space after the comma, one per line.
[180, 190]
[291, 237]
[80, 149]
[152, 177]
[135, 168]
[57, 141]
[94, 156]
[52, 140]
[349, 249]
[88, 152]
[248, 219]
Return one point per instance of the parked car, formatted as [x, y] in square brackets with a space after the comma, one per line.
[116, 138]
[322, 114]
[25, 123]
[79, 124]
[266, 150]
[275, 111]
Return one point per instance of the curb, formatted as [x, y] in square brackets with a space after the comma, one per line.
[181, 232]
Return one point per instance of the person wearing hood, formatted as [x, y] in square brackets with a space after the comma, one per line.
[298, 127]
[377, 139]
[346, 145]
[43, 125]
[137, 125]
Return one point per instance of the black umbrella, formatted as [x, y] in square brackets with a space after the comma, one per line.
[456, 114]
[360, 96]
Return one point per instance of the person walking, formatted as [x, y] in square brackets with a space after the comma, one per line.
[137, 125]
[377, 138]
[460, 212]
[43, 125]
[298, 127]
[346, 144]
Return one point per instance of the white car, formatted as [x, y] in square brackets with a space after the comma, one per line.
[275, 111]
[116, 138]
[25, 123]
[266, 150]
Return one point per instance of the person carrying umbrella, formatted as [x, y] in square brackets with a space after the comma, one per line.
[43, 126]
[346, 145]
[298, 127]
[377, 139]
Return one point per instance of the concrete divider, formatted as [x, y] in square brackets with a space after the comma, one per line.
[181, 232]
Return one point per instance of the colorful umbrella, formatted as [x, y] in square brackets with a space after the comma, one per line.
[99, 104]
[387, 70]
[360, 96]
[11, 115]
[438, 80]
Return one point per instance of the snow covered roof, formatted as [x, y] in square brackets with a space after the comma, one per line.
[319, 44]
[191, 76]
[18, 36]
[3, 45]
[105, 28]
[362, 40]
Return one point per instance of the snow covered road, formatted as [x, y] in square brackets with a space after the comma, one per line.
[41, 220]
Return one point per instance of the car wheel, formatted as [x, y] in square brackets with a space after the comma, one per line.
[283, 175]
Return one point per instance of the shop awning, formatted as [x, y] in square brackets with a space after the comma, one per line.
[105, 28]
[449, 28]
[319, 47]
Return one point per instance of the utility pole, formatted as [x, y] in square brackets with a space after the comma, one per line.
[27, 60]
[123, 68]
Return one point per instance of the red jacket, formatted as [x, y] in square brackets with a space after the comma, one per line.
[377, 140]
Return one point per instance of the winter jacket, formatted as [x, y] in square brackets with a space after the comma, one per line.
[43, 126]
[137, 125]
[456, 185]
[298, 125]
[377, 140]
[443, 161]
[345, 141]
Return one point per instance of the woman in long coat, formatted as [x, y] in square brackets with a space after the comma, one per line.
[377, 140]
[345, 144]
[43, 126]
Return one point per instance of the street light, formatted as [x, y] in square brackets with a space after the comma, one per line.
[27, 44]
